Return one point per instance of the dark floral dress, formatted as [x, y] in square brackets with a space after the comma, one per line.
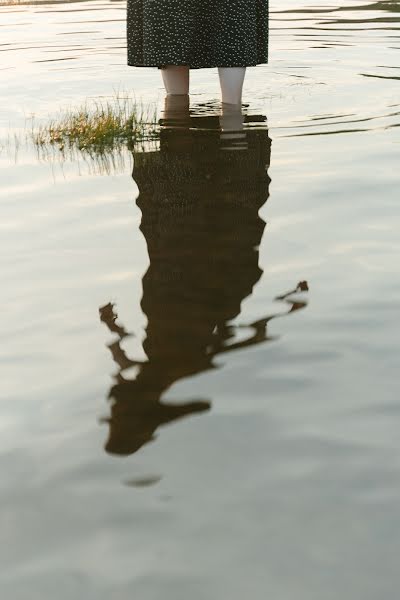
[197, 33]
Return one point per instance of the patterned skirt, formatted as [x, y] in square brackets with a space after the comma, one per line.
[197, 33]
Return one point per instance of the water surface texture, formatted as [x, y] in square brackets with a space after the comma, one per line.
[199, 388]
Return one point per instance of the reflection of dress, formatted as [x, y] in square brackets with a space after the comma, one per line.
[200, 219]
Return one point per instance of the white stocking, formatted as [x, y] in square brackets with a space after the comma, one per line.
[176, 79]
[231, 81]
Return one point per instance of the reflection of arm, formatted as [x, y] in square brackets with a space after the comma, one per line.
[260, 327]
[120, 357]
[109, 317]
[260, 335]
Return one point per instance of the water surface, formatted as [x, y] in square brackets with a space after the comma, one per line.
[237, 453]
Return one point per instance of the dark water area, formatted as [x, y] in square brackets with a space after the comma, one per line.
[199, 367]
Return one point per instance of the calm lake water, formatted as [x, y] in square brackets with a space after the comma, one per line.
[194, 447]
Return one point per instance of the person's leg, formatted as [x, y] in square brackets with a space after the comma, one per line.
[231, 81]
[176, 79]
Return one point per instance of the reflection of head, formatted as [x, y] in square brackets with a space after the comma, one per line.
[199, 194]
[137, 413]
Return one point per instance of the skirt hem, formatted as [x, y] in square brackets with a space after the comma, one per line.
[208, 66]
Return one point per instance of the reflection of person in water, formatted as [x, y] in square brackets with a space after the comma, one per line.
[199, 195]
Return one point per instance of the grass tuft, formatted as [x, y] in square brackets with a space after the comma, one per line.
[102, 132]
[101, 126]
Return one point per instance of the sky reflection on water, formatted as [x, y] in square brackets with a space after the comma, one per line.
[289, 484]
